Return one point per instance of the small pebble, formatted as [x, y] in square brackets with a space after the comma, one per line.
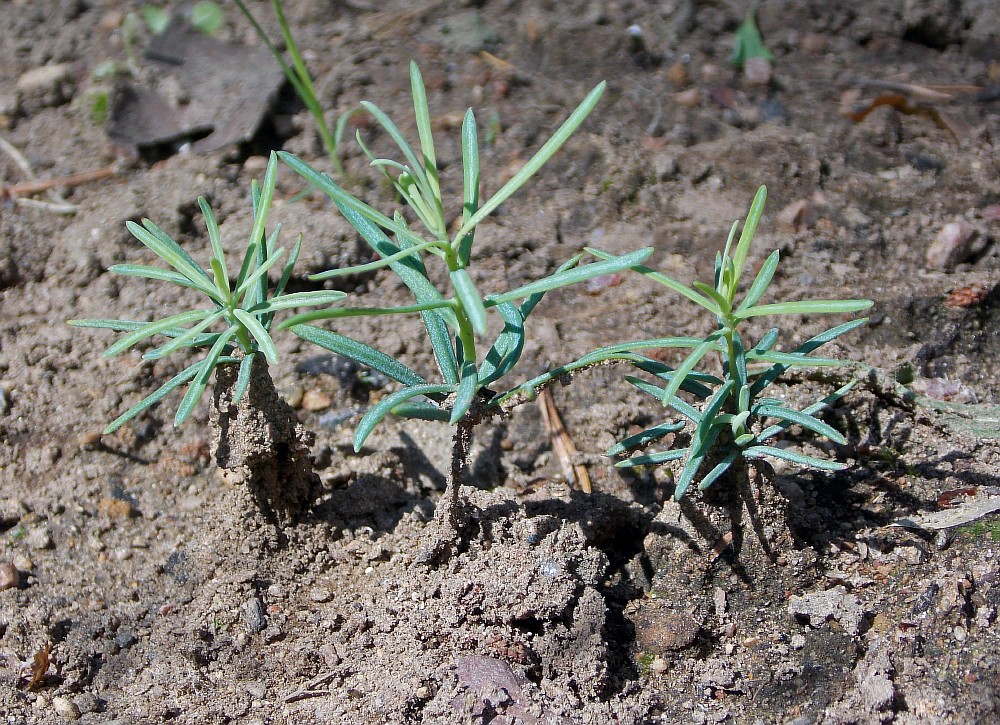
[65, 708]
[22, 563]
[956, 242]
[315, 401]
[757, 71]
[959, 633]
[320, 594]
[10, 577]
[658, 666]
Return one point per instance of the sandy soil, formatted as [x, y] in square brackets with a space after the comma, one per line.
[163, 593]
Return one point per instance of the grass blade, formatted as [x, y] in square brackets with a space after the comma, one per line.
[761, 282]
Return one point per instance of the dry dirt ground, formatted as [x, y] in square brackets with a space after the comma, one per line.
[162, 594]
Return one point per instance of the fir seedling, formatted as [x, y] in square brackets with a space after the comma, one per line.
[455, 319]
[234, 326]
[732, 419]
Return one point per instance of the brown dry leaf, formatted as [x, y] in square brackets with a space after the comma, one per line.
[39, 666]
[904, 105]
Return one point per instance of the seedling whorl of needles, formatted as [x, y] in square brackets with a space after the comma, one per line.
[243, 310]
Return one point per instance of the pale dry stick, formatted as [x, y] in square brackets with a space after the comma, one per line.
[562, 444]
[33, 185]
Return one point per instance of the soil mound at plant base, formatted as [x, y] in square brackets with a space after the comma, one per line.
[514, 624]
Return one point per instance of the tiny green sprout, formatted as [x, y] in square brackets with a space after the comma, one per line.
[748, 43]
[156, 19]
[235, 324]
[206, 17]
[301, 81]
[733, 419]
[456, 318]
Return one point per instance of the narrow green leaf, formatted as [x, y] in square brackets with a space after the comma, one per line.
[467, 387]
[506, 351]
[805, 348]
[164, 275]
[258, 274]
[264, 205]
[422, 411]
[382, 408]
[573, 276]
[298, 299]
[793, 457]
[444, 353]
[286, 273]
[796, 417]
[468, 297]
[157, 327]
[749, 229]
[767, 341]
[243, 377]
[663, 279]
[422, 114]
[417, 168]
[687, 366]
[170, 252]
[644, 438]
[151, 400]
[721, 467]
[218, 254]
[470, 178]
[536, 162]
[811, 410]
[261, 335]
[710, 418]
[197, 387]
[186, 339]
[652, 459]
[691, 466]
[805, 307]
[360, 353]
[338, 312]
[790, 359]
[685, 409]
[761, 282]
[377, 264]
[721, 303]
